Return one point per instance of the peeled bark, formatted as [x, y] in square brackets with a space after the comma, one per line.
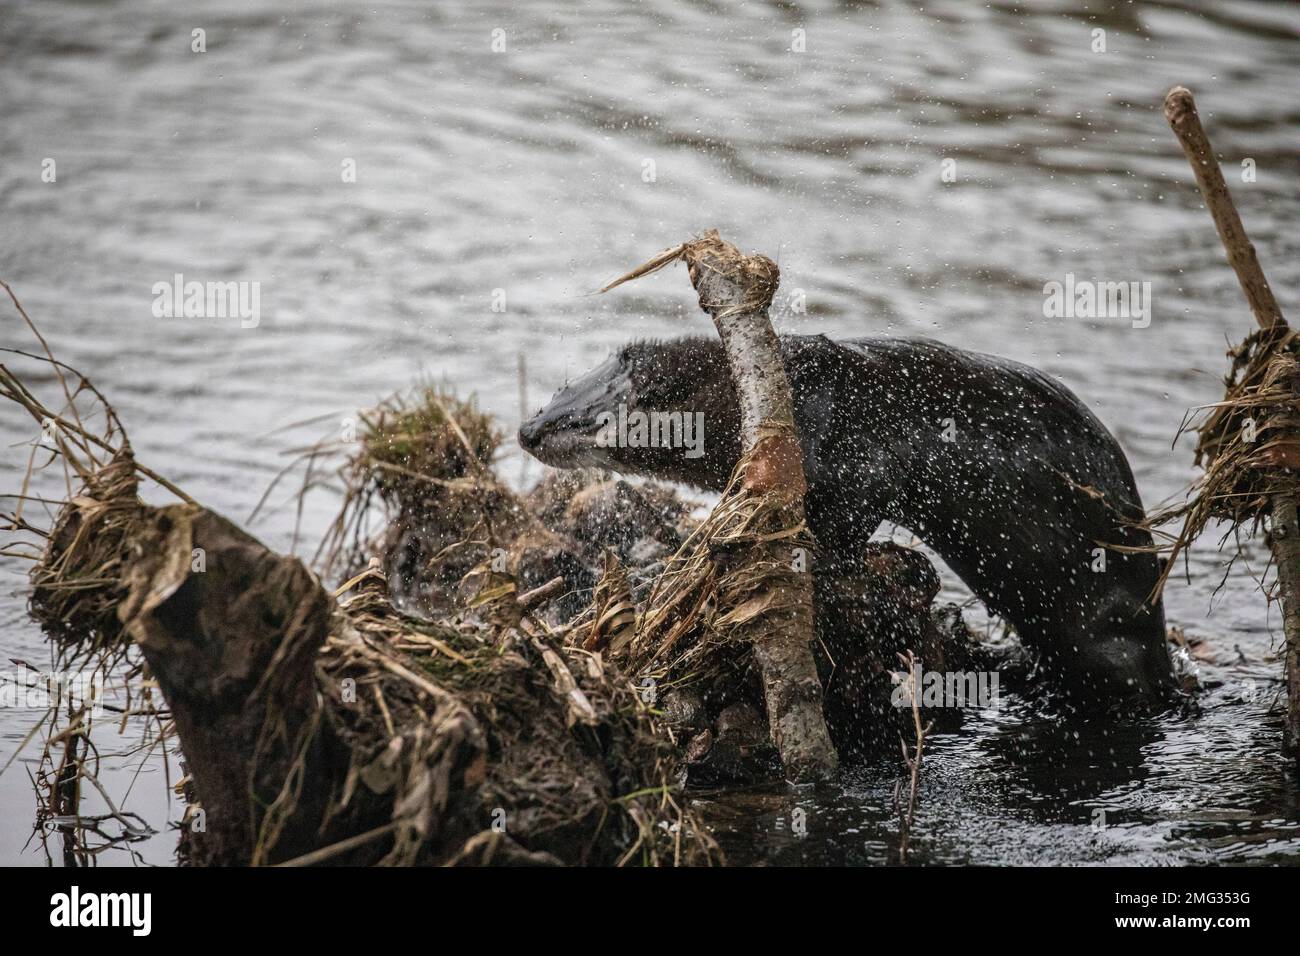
[739, 578]
[736, 291]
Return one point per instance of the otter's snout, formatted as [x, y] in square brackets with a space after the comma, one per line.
[531, 433]
[563, 433]
[545, 430]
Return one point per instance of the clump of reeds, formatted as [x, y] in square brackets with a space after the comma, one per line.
[76, 582]
[79, 544]
[423, 453]
[413, 443]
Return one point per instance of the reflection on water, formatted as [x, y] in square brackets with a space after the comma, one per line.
[602, 133]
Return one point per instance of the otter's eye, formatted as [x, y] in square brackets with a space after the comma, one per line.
[652, 394]
[660, 391]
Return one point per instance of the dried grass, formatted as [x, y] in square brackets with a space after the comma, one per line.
[1245, 443]
[704, 593]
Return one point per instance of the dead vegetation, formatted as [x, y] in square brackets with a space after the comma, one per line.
[1246, 444]
[335, 728]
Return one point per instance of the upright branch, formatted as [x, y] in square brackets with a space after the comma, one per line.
[1180, 111]
[742, 563]
[1269, 383]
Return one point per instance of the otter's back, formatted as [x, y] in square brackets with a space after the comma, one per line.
[998, 467]
[916, 389]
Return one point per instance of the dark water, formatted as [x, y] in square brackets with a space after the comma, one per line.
[525, 171]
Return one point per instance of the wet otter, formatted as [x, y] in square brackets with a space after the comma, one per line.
[997, 467]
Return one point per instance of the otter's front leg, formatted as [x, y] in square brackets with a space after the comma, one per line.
[842, 528]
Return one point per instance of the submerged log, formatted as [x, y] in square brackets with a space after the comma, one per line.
[1272, 360]
[348, 733]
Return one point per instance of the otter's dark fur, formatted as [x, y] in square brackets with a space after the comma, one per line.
[996, 466]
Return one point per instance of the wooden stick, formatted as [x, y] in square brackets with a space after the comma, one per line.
[1284, 532]
[540, 595]
[1284, 529]
[736, 291]
[1180, 111]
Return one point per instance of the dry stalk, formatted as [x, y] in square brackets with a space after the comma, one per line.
[912, 759]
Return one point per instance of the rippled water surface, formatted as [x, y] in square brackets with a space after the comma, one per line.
[526, 171]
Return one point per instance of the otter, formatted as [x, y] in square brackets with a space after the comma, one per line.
[997, 467]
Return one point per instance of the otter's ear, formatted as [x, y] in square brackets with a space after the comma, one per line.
[815, 411]
[804, 354]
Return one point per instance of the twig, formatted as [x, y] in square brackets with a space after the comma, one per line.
[540, 595]
[343, 846]
[907, 817]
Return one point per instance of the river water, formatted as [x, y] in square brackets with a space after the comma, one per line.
[510, 158]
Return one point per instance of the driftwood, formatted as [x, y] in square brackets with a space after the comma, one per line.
[1268, 384]
[746, 561]
[322, 727]
[320, 730]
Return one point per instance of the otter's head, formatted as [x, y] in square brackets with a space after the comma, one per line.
[661, 409]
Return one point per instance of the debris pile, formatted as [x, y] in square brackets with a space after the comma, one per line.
[496, 680]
